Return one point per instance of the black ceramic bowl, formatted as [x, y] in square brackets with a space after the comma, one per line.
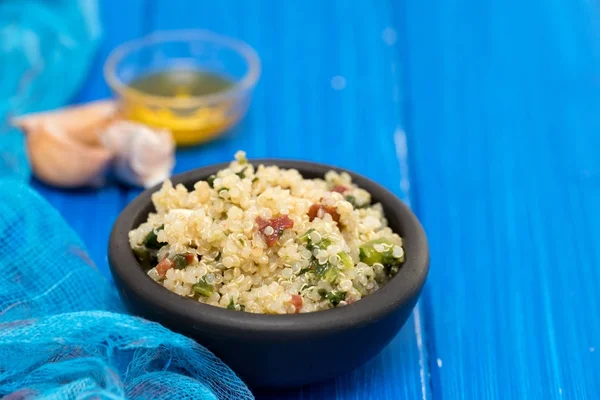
[279, 350]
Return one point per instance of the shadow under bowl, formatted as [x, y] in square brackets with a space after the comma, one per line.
[279, 350]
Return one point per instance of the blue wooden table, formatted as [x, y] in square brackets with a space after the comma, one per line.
[484, 115]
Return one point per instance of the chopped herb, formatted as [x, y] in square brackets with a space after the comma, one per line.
[327, 272]
[255, 179]
[346, 260]
[306, 235]
[211, 181]
[141, 253]
[242, 173]
[369, 255]
[324, 243]
[231, 305]
[203, 288]
[241, 241]
[334, 297]
[352, 200]
[179, 261]
[312, 266]
[322, 268]
[151, 239]
[146, 258]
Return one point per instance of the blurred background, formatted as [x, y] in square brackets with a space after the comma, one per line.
[484, 116]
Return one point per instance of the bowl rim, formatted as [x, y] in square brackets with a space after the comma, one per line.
[401, 290]
[247, 82]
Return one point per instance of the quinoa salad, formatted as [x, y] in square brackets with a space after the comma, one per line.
[265, 240]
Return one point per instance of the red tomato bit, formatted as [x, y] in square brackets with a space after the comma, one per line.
[278, 224]
[315, 210]
[297, 302]
[189, 258]
[164, 266]
[340, 188]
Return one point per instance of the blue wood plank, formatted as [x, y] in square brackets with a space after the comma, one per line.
[330, 92]
[503, 132]
[91, 213]
[503, 105]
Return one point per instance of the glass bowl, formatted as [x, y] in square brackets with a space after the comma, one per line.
[191, 118]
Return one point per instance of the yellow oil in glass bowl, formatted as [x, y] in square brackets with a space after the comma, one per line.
[189, 125]
[194, 83]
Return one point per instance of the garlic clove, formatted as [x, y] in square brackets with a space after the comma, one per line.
[144, 156]
[59, 160]
[80, 122]
[153, 158]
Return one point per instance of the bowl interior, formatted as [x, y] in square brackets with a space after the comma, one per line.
[404, 288]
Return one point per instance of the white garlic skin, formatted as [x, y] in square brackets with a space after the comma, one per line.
[143, 156]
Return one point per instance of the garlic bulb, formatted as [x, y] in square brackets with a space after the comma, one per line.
[143, 156]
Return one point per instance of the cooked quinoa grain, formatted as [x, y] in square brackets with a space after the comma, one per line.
[266, 240]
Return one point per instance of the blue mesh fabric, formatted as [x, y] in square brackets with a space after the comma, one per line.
[62, 331]
[62, 334]
[41, 43]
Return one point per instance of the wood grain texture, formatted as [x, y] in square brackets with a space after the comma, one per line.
[501, 105]
[330, 92]
[297, 113]
[504, 127]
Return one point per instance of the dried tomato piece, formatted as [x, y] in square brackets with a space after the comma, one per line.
[340, 188]
[313, 212]
[331, 211]
[297, 302]
[273, 228]
[262, 223]
[164, 266]
[189, 258]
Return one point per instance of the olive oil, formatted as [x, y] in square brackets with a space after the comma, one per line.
[181, 83]
[192, 118]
